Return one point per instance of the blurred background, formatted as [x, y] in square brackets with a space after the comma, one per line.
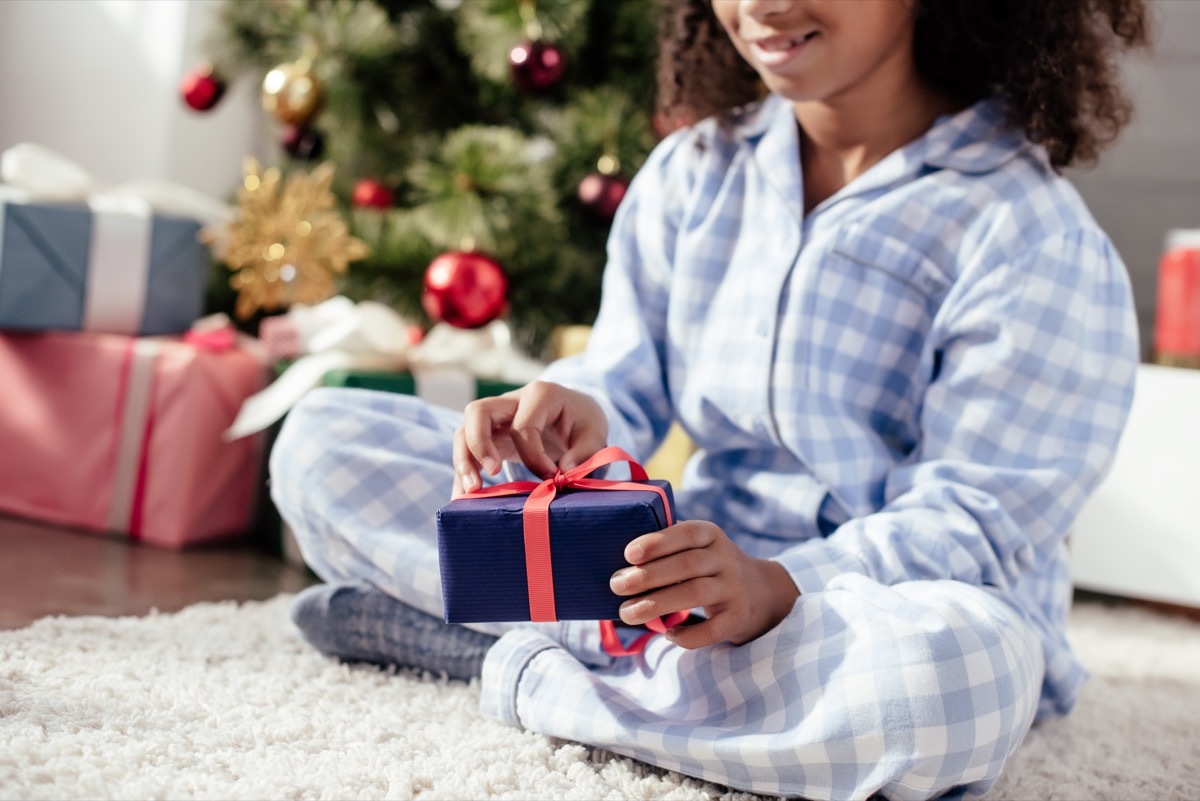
[98, 80]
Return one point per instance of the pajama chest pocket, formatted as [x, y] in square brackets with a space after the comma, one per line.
[871, 305]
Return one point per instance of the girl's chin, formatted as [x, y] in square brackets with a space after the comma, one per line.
[793, 91]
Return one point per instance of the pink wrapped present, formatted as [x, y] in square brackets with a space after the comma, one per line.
[110, 433]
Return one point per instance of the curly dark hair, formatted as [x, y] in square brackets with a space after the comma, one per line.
[1053, 63]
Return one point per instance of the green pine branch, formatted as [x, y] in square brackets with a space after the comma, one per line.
[419, 96]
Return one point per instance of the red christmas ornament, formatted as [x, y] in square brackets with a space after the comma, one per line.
[466, 290]
[537, 66]
[371, 194]
[201, 88]
[600, 194]
[300, 142]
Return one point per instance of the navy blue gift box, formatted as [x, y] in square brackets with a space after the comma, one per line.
[481, 546]
[44, 250]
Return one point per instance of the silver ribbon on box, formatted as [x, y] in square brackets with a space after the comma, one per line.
[122, 220]
[340, 334]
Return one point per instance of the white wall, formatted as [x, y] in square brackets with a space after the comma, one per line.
[97, 80]
[1149, 182]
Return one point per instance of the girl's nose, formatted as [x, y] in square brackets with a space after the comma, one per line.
[763, 9]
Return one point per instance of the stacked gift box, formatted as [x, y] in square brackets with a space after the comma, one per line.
[368, 346]
[115, 402]
[278, 537]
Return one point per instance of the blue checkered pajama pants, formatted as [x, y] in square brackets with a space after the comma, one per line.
[909, 691]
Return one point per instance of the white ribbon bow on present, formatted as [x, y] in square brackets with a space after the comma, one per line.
[34, 172]
[340, 334]
[119, 252]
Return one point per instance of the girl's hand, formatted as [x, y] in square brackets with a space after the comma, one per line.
[545, 425]
[695, 564]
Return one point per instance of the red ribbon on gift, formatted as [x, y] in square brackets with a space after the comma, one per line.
[136, 420]
[535, 517]
[212, 334]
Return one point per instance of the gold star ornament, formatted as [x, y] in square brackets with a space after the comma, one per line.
[287, 242]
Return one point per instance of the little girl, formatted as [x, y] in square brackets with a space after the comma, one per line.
[905, 352]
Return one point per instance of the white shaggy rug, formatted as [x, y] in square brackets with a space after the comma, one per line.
[223, 701]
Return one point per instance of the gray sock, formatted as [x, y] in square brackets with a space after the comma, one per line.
[357, 622]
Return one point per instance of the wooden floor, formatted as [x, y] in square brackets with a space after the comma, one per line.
[46, 570]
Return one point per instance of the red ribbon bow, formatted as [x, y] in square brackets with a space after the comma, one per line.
[535, 516]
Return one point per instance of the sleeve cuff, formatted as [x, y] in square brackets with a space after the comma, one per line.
[815, 563]
[620, 433]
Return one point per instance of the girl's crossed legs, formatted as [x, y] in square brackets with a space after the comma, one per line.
[910, 690]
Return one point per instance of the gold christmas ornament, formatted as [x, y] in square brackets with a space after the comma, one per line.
[292, 93]
[287, 242]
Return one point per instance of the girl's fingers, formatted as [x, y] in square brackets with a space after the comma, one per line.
[700, 634]
[672, 569]
[466, 468]
[532, 450]
[688, 535]
[697, 592]
[539, 423]
[529, 431]
[580, 451]
[481, 419]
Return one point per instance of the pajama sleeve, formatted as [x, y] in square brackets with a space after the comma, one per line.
[1034, 365]
[624, 366]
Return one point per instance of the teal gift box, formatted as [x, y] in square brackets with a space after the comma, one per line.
[69, 267]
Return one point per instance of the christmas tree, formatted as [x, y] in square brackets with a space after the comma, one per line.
[507, 128]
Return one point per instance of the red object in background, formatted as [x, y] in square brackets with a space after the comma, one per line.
[1177, 316]
[201, 88]
[601, 194]
[114, 434]
[466, 290]
[537, 66]
[369, 193]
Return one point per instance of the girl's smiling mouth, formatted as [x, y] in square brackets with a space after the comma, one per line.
[775, 51]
